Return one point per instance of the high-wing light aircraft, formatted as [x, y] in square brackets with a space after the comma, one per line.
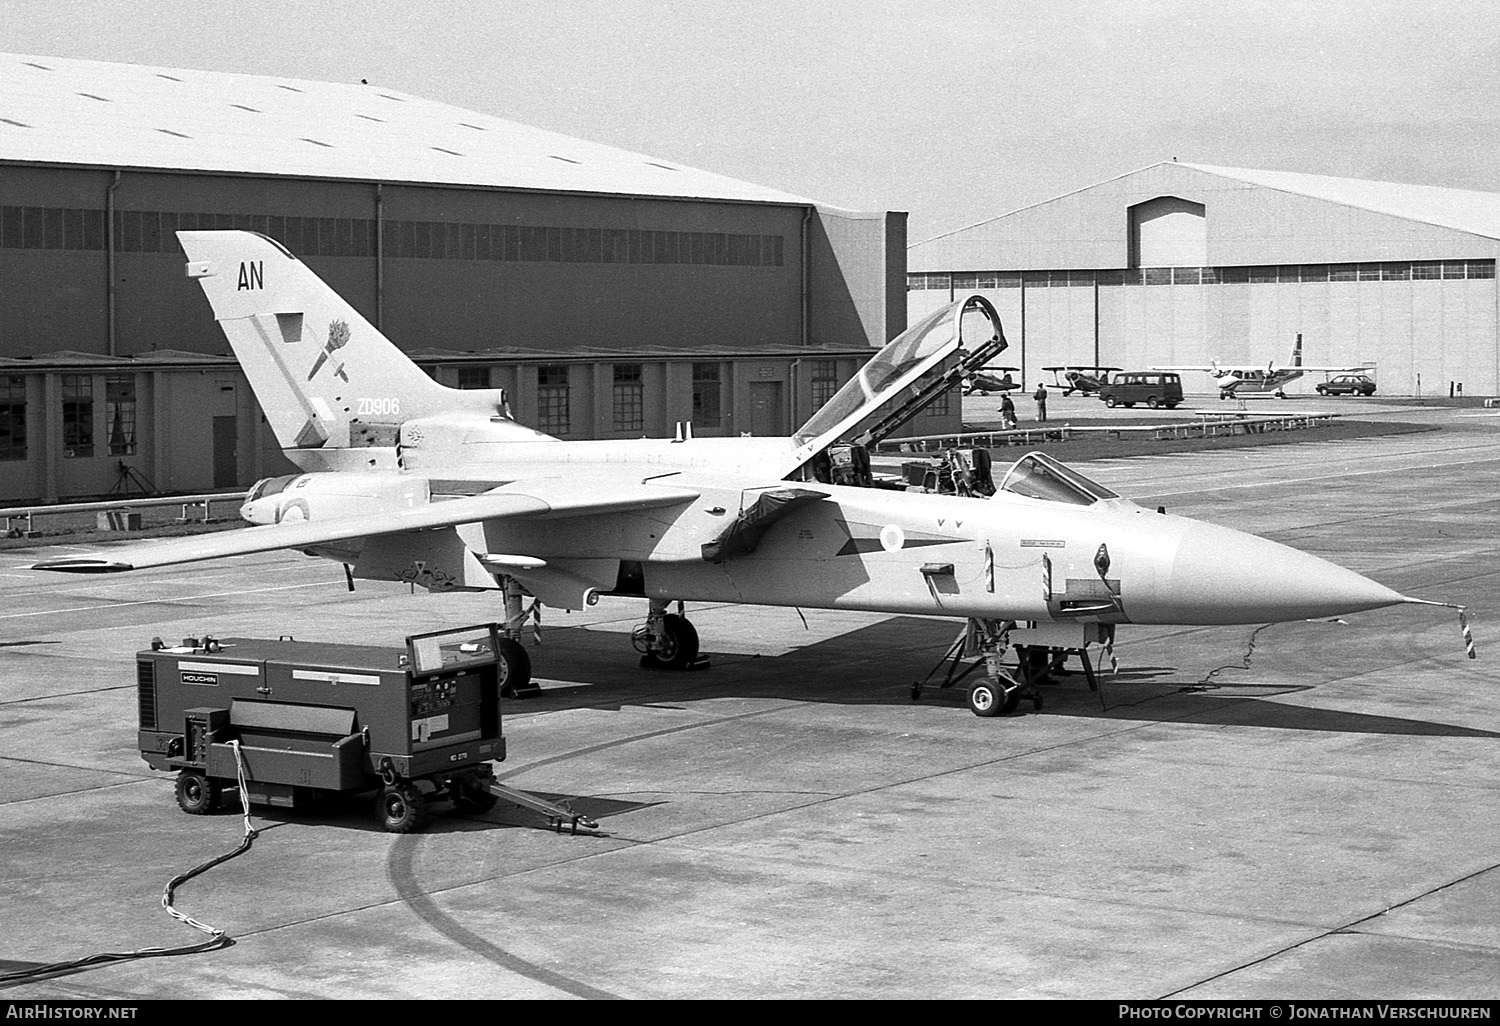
[1233, 379]
[1080, 378]
[407, 480]
[983, 382]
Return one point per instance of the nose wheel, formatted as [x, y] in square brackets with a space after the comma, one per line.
[998, 696]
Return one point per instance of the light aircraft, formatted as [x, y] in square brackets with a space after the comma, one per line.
[404, 479]
[981, 382]
[1269, 377]
[1080, 378]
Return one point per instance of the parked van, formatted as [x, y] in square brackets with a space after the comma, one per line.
[1154, 388]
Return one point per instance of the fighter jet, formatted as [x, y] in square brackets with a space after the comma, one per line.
[406, 480]
[1080, 378]
[983, 382]
[1269, 377]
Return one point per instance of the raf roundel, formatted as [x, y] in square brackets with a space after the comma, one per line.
[892, 538]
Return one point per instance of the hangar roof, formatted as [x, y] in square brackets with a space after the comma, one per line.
[56, 110]
[1477, 213]
[1465, 210]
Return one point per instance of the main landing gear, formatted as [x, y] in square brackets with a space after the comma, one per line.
[515, 663]
[668, 641]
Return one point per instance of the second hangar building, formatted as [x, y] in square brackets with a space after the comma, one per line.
[1188, 264]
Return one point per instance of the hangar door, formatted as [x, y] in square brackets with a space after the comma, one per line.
[226, 452]
[766, 416]
[1168, 232]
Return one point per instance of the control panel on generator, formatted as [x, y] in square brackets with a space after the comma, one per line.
[288, 719]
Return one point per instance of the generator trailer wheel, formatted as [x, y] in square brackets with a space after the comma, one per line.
[197, 794]
[401, 808]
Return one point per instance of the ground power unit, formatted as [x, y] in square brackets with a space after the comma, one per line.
[295, 720]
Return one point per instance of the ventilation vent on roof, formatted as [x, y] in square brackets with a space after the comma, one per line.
[477, 128]
[565, 160]
[18, 124]
[662, 166]
[101, 99]
[454, 152]
[168, 131]
[367, 117]
[33, 64]
[290, 89]
[169, 78]
[316, 143]
[388, 96]
[241, 106]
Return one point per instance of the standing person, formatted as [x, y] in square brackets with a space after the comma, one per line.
[1007, 412]
[1041, 402]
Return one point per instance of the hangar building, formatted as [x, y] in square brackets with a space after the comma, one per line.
[1187, 264]
[611, 293]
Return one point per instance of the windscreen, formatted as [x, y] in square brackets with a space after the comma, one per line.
[1038, 476]
[270, 486]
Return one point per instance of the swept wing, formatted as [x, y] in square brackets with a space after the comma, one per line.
[573, 496]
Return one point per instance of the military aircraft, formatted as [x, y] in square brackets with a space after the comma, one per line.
[1080, 378]
[404, 479]
[980, 382]
[1234, 379]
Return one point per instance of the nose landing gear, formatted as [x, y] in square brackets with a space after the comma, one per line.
[1041, 652]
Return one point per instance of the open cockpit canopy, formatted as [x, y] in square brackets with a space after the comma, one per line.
[1039, 476]
[966, 323]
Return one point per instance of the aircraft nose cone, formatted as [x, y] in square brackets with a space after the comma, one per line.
[1221, 575]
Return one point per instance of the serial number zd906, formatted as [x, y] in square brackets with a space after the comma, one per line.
[378, 407]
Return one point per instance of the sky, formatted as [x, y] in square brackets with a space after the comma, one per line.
[954, 111]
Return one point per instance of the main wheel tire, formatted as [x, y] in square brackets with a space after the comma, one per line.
[514, 668]
[198, 794]
[681, 646]
[1111, 401]
[401, 808]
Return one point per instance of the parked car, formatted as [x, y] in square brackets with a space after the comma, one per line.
[1348, 384]
[1153, 388]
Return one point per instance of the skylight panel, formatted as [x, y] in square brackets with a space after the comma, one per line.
[315, 142]
[370, 117]
[169, 78]
[33, 64]
[241, 106]
[18, 124]
[290, 89]
[454, 152]
[101, 99]
[168, 131]
[477, 128]
[565, 160]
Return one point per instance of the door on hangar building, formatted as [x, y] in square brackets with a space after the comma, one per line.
[766, 415]
[226, 452]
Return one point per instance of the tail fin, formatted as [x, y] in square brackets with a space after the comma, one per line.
[317, 366]
[1297, 351]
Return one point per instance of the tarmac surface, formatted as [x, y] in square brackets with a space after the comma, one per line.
[1302, 810]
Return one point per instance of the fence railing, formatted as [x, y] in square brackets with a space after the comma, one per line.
[1206, 427]
[122, 504]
